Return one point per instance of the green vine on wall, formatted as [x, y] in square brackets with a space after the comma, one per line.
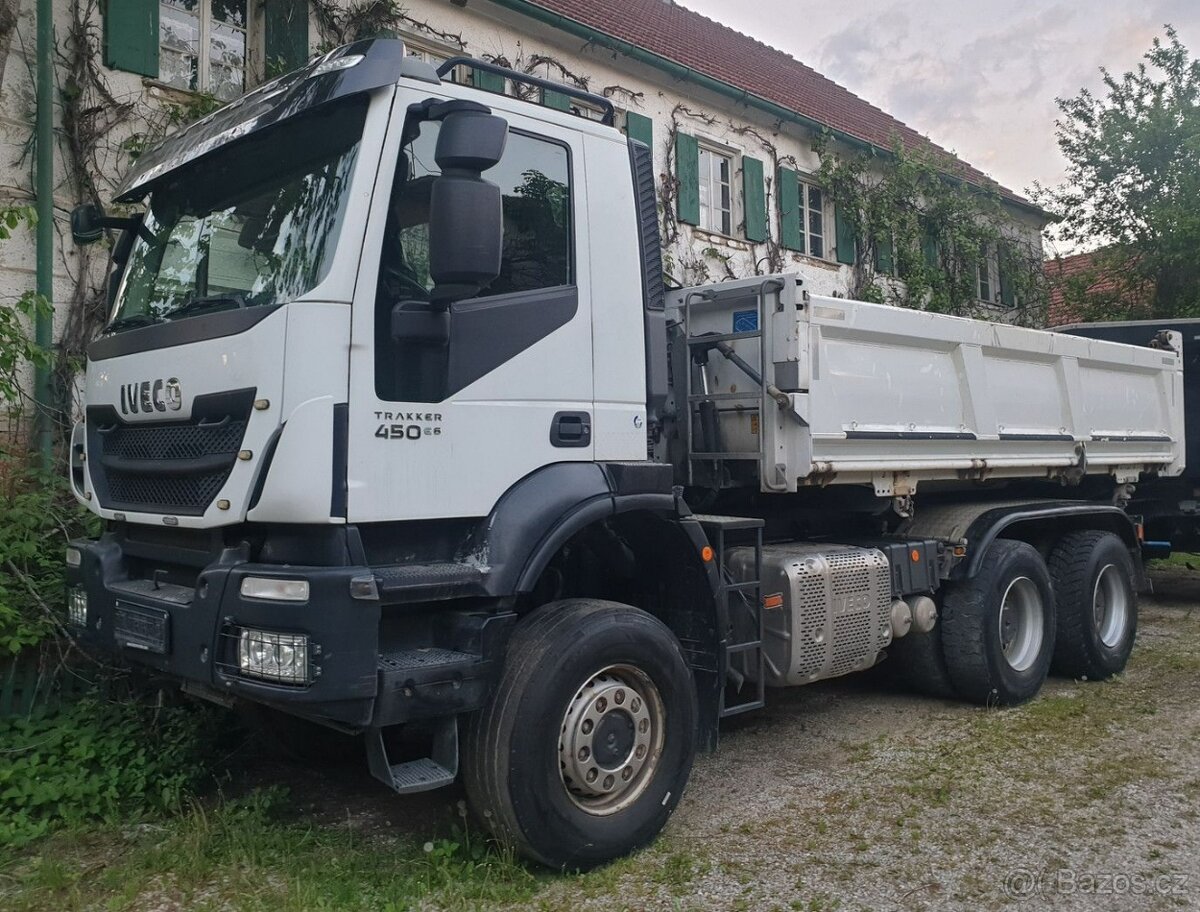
[922, 233]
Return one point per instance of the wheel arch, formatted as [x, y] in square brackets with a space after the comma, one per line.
[1042, 526]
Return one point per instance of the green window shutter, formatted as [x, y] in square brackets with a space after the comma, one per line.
[489, 82]
[639, 127]
[754, 199]
[885, 262]
[131, 36]
[845, 238]
[285, 36]
[929, 247]
[556, 100]
[687, 172]
[1008, 295]
[791, 231]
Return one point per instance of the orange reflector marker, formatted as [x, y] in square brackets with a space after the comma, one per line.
[915, 555]
[1140, 530]
[959, 551]
[773, 601]
[707, 553]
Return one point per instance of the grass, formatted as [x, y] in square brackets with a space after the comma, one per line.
[247, 854]
[1058, 767]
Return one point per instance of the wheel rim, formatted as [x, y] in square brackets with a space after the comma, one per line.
[1022, 617]
[611, 739]
[1110, 605]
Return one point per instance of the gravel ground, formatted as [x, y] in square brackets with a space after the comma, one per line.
[850, 795]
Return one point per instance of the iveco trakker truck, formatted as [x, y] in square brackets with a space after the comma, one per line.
[395, 428]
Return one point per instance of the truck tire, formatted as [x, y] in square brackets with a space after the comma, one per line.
[1097, 605]
[998, 628]
[585, 747]
[917, 664]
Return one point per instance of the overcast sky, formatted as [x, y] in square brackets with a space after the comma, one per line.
[977, 76]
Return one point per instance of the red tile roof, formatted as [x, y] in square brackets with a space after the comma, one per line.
[717, 51]
[1090, 275]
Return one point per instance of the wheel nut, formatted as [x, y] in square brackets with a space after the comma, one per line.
[591, 775]
[609, 781]
[627, 773]
[601, 705]
[635, 704]
[587, 726]
[619, 697]
[644, 726]
[640, 752]
[584, 753]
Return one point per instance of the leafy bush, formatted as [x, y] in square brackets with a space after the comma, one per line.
[98, 760]
[38, 516]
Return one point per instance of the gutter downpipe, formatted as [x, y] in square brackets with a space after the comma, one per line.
[44, 193]
[687, 74]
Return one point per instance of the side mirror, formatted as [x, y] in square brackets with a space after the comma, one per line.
[466, 224]
[87, 223]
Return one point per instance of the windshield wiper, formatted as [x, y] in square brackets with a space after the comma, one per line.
[211, 302]
[133, 321]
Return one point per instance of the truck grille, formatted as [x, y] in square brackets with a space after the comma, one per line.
[175, 467]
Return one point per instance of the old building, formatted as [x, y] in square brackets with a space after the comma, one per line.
[732, 122]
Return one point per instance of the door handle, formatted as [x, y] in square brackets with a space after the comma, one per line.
[571, 429]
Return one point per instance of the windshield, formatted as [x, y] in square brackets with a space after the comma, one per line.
[252, 225]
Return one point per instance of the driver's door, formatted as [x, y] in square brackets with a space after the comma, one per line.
[441, 428]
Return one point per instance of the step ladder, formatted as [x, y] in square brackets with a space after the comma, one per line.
[744, 688]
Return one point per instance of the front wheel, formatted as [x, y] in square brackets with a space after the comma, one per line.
[585, 747]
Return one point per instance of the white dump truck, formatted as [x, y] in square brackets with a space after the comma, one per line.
[395, 429]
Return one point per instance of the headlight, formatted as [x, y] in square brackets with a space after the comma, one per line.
[77, 607]
[74, 557]
[279, 590]
[274, 656]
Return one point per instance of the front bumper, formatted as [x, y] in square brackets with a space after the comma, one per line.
[191, 633]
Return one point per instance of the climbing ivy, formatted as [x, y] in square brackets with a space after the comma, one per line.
[922, 233]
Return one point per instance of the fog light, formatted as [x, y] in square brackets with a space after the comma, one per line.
[274, 656]
[279, 590]
[74, 557]
[77, 607]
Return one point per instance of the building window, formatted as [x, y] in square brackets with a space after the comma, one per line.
[716, 196]
[202, 46]
[812, 219]
[984, 272]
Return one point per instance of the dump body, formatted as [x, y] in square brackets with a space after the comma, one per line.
[881, 395]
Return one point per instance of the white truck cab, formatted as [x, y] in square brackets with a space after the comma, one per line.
[395, 428]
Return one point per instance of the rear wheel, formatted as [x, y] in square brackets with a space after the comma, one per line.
[585, 748]
[1097, 605]
[918, 663]
[998, 629]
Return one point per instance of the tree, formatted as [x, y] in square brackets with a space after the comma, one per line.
[1133, 187]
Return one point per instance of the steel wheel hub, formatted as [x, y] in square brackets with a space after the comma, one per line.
[1021, 622]
[611, 739]
[1110, 606]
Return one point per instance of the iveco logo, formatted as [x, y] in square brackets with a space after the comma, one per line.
[151, 396]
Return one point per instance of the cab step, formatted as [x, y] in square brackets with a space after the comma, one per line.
[423, 774]
[414, 582]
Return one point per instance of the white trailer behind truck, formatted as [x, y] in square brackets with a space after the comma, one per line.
[395, 429]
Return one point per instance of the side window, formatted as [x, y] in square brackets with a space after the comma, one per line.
[534, 179]
[433, 357]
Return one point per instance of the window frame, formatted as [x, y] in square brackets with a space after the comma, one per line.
[987, 275]
[808, 183]
[205, 17]
[715, 151]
